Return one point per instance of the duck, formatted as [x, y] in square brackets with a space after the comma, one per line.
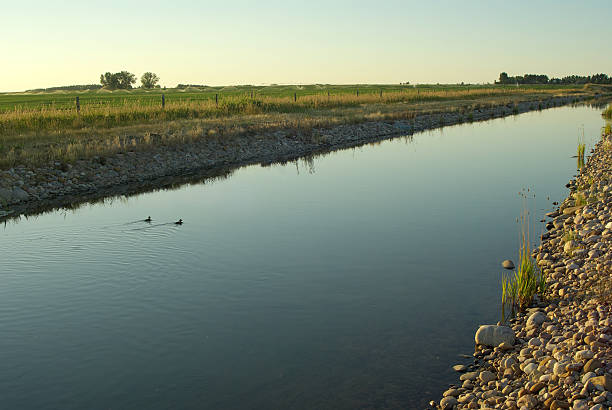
[148, 219]
[179, 222]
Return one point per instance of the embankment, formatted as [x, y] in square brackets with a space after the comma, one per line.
[30, 190]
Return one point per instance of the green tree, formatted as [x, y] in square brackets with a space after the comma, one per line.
[503, 78]
[109, 80]
[149, 80]
[122, 80]
[126, 80]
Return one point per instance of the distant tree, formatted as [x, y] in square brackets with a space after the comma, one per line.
[543, 79]
[69, 88]
[149, 80]
[122, 80]
[109, 80]
[126, 80]
[504, 79]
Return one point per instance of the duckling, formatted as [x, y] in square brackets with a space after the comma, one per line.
[179, 222]
[148, 219]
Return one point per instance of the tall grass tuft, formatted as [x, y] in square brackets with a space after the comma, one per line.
[520, 287]
[608, 112]
[581, 147]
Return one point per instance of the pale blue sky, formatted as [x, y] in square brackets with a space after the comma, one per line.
[51, 43]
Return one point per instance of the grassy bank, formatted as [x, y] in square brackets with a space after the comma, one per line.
[34, 133]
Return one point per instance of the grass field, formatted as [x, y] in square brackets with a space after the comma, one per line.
[38, 128]
[117, 98]
[45, 112]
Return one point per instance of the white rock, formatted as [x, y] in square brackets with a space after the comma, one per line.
[493, 335]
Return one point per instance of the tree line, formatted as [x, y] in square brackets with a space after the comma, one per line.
[123, 80]
[543, 79]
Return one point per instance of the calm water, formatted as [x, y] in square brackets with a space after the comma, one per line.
[350, 281]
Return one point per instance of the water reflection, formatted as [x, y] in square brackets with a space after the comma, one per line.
[355, 286]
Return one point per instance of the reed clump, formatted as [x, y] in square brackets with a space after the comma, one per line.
[527, 281]
[581, 148]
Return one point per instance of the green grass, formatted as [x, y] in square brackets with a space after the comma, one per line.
[569, 235]
[608, 112]
[579, 199]
[519, 288]
[117, 98]
[581, 148]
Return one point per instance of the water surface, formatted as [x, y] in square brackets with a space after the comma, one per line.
[352, 280]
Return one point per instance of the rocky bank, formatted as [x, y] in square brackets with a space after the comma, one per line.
[558, 353]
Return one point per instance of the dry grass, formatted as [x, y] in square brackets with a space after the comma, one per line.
[34, 137]
[50, 118]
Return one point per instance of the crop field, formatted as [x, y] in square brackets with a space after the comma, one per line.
[36, 112]
[115, 98]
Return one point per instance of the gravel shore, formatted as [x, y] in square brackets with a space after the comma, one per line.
[557, 354]
[31, 190]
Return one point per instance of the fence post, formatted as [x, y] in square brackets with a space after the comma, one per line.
[251, 94]
[163, 101]
[295, 97]
[78, 105]
[357, 93]
[380, 93]
[217, 100]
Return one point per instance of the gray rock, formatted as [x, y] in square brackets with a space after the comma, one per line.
[5, 195]
[468, 376]
[493, 335]
[530, 368]
[487, 376]
[580, 405]
[20, 195]
[528, 401]
[569, 245]
[508, 264]
[448, 402]
[583, 355]
[536, 319]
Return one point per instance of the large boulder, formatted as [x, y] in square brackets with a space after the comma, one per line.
[492, 335]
